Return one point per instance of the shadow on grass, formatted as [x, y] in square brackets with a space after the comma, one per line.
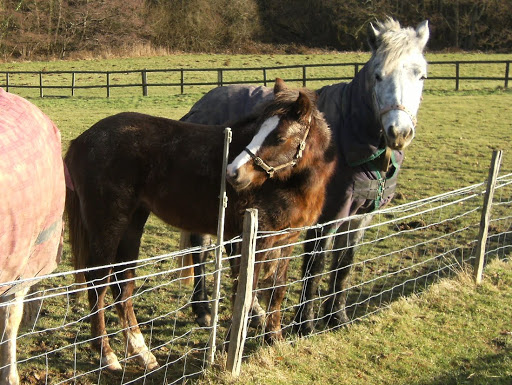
[492, 369]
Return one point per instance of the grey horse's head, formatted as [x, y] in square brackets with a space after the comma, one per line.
[397, 69]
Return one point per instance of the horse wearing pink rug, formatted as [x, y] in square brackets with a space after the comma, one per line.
[31, 209]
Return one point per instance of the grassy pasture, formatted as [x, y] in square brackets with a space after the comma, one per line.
[456, 134]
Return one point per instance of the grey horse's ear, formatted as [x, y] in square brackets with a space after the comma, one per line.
[422, 32]
[373, 37]
[279, 86]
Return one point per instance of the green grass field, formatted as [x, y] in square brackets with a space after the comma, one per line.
[456, 134]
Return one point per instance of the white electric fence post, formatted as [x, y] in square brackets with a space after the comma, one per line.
[218, 250]
[486, 214]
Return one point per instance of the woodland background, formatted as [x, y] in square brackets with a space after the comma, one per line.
[31, 29]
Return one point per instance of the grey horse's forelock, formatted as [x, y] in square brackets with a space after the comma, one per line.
[394, 41]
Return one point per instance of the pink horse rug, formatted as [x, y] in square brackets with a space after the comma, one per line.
[32, 193]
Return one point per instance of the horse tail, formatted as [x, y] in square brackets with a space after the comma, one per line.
[185, 261]
[78, 236]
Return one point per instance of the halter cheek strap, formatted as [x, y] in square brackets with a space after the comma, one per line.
[271, 170]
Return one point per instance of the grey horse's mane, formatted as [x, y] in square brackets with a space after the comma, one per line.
[394, 41]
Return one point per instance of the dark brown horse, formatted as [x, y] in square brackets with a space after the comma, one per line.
[128, 165]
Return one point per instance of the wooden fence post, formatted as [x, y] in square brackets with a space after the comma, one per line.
[7, 81]
[265, 77]
[457, 74]
[144, 75]
[182, 81]
[220, 78]
[108, 84]
[507, 73]
[304, 76]
[486, 213]
[41, 85]
[72, 84]
[244, 296]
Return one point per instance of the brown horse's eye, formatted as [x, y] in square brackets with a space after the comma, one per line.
[281, 139]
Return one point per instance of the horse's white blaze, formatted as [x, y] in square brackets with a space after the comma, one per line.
[267, 127]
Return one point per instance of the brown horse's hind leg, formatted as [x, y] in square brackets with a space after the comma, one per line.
[122, 289]
[104, 234]
[97, 280]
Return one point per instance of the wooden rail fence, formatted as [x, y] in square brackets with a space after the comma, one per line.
[499, 71]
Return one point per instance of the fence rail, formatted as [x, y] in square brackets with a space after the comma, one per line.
[443, 75]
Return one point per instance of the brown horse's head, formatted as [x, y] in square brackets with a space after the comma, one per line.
[281, 138]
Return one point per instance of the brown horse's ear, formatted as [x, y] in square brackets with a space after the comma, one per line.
[303, 106]
[279, 86]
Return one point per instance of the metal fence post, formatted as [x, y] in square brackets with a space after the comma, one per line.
[7, 81]
[72, 84]
[244, 296]
[265, 77]
[304, 76]
[218, 250]
[486, 214]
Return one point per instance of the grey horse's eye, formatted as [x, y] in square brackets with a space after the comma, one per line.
[378, 77]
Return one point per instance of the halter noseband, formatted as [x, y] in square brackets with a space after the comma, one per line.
[392, 107]
[271, 170]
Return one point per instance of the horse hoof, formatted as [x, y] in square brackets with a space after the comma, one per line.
[110, 362]
[337, 320]
[305, 328]
[271, 337]
[257, 317]
[204, 321]
[147, 360]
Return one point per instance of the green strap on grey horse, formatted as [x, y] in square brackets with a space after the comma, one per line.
[377, 189]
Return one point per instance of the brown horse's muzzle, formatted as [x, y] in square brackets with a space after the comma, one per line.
[235, 179]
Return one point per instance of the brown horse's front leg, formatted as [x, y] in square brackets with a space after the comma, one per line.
[96, 296]
[273, 331]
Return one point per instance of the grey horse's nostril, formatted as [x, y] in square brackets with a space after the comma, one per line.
[392, 131]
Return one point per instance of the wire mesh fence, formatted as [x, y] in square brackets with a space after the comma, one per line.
[405, 249]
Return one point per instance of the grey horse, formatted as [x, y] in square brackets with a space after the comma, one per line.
[373, 119]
